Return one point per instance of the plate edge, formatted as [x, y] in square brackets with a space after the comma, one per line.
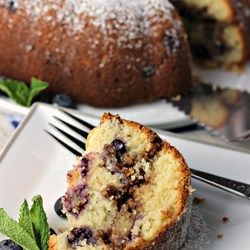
[17, 132]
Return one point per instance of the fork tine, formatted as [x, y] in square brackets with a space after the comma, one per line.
[75, 129]
[78, 119]
[72, 150]
[70, 137]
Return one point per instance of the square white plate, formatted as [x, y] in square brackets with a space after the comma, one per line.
[33, 163]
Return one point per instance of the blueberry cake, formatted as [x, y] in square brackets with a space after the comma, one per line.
[101, 52]
[219, 31]
[129, 190]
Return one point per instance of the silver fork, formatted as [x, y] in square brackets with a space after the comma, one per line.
[232, 186]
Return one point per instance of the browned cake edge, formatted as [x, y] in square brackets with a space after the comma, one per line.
[172, 235]
[242, 17]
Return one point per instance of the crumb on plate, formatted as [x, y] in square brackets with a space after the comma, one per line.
[225, 219]
[198, 200]
[219, 236]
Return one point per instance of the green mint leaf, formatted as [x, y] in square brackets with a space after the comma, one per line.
[15, 232]
[16, 90]
[25, 219]
[4, 87]
[40, 223]
[20, 92]
[35, 88]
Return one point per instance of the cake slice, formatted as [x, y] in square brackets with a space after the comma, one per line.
[129, 190]
[218, 31]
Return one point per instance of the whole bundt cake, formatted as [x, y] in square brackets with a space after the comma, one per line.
[129, 190]
[102, 52]
[219, 31]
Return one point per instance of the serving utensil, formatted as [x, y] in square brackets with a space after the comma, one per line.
[224, 112]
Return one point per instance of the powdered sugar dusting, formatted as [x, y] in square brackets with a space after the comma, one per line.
[126, 19]
[198, 234]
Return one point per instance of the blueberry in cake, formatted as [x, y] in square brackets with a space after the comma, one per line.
[219, 31]
[129, 190]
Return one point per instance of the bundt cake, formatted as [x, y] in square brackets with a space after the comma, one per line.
[219, 31]
[101, 52]
[129, 190]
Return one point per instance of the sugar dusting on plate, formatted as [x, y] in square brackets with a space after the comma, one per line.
[198, 234]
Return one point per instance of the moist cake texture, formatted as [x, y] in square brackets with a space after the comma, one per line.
[129, 190]
[219, 31]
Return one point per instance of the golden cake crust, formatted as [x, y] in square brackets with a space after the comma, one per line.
[96, 65]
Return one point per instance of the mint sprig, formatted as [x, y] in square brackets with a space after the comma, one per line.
[25, 219]
[20, 92]
[40, 224]
[14, 231]
[32, 230]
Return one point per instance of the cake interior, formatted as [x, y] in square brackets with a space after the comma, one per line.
[127, 189]
[214, 38]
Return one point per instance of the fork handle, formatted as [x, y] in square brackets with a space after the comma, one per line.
[235, 187]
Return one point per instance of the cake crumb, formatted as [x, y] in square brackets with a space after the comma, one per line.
[225, 219]
[198, 200]
[176, 98]
[219, 236]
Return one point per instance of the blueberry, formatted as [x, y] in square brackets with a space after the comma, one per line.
[9, 245]
[58, 208]
[84, 166]
[45, 97]
[64, 101]
[148, 71]
[78, 234]
[119, 148]
[15, 123]
[119, 145]
[2, 93]
[76, 199]
[52, 231]
[12, 5]
[171, 42]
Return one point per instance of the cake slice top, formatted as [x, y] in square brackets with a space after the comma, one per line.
[140, 141]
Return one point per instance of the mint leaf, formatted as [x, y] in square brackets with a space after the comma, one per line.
[36, 87]
[20, 92]
[16, 90]
[15, 232]
[25, 219]
[40, 223]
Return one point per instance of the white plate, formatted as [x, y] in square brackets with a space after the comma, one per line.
[223, 78]
[33, 163]
[158, 114]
